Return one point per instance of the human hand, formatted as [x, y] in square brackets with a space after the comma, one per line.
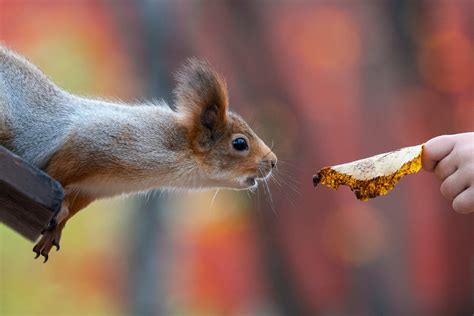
[451, 158]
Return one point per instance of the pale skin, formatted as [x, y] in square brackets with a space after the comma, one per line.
[451, 159]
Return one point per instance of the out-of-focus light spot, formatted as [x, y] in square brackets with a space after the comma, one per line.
[356, 235]
[328, 40]
[446, 61]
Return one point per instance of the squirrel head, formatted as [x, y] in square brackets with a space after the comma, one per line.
[228, 152]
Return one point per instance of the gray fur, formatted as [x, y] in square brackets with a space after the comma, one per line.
[40, 116]
[32, 108]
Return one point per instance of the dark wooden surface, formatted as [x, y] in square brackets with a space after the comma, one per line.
[29, 198]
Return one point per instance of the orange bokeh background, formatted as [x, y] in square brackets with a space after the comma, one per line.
[325, 82]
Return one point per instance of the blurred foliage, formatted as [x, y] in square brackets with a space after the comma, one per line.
[324, 83]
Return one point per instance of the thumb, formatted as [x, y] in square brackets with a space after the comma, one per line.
[435, 150]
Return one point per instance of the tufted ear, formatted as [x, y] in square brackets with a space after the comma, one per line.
[201, 99]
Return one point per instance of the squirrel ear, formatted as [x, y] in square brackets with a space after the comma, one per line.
[201, 97]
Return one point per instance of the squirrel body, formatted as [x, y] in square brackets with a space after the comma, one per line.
[99, 149]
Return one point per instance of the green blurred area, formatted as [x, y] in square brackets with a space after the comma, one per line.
[77, 282]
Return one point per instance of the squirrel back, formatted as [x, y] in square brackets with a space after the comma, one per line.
[33, 111]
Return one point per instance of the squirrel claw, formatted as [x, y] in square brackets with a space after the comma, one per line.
[37, 253]
[49, 239]
[56, 244]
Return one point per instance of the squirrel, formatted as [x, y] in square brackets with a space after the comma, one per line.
[98, 149]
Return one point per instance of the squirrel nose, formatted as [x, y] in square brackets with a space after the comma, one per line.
[273, 160]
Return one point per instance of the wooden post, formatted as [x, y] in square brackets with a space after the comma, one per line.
[29, 198]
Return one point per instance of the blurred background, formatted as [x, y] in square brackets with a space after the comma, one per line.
[326, 82]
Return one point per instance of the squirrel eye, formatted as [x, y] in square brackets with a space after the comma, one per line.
[240, 144]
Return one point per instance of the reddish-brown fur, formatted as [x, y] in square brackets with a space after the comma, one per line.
[202, 137]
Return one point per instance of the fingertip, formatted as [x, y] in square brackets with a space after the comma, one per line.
[427, 163]
[445, 191]
[464, 202]
[462, 210]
